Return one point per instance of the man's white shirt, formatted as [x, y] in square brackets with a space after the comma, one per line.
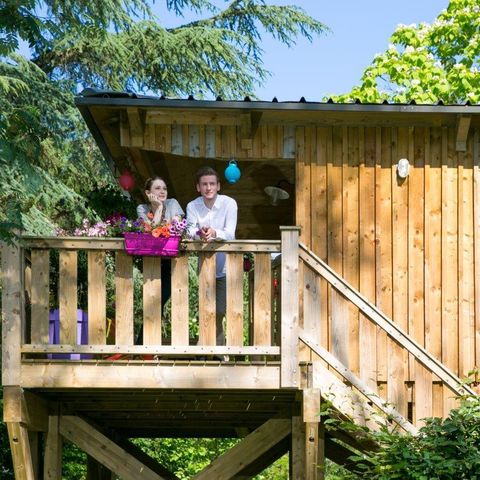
[222, 217]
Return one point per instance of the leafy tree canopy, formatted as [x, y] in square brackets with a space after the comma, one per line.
[427, 63]
[48, 161]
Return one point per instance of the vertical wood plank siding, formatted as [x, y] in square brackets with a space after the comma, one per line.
[210, 141]
[412, 246]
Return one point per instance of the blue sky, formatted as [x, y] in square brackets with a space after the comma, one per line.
[334, 63]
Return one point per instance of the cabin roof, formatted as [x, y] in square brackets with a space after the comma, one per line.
[91, 96]
[173, 137]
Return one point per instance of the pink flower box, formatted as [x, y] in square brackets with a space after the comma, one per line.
[147, 245]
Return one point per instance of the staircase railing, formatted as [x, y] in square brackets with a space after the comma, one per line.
[387, 325]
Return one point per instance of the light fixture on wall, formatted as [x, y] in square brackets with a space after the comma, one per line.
[403, 168]
[276, 192]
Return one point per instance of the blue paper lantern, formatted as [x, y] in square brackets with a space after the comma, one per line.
[232, 172]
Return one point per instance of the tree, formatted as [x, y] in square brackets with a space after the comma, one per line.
[51, 172]
[427, 63]
[48, 161]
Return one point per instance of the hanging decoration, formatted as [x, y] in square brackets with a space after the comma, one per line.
[232, 172]
[127, 180]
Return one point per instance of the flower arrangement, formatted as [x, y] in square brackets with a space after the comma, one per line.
[142, 237]
[177, 227]
[117, 225]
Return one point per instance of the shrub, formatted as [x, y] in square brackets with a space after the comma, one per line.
[444, 448]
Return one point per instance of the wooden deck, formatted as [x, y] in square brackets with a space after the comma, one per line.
[281, 360]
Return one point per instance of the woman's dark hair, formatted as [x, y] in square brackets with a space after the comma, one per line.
[149, 181]
[204, 171]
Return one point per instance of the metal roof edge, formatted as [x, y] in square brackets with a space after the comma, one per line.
[152, 102]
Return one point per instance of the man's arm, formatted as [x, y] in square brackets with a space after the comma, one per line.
[192, 221]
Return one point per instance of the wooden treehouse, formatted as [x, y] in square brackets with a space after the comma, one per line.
[372, 300]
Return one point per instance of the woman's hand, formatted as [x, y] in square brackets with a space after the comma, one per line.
[155, 201]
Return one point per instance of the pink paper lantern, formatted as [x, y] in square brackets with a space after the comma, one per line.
[126, 180]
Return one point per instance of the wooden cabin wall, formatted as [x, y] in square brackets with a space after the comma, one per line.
[412, 247]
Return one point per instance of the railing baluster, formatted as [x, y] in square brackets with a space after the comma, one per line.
[123, 299]
[235, 299]
[206, 299]
[289, 309]
[180, 334]
[67, 297]
[152, 301]
[263, 299]
[97, 317]
[12, 312]
[40, 296]
[276, 302]
[312, 305]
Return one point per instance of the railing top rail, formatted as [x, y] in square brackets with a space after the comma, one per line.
[105, 243]
[385, 323]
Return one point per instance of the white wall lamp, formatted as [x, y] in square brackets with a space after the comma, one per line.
[403, 168]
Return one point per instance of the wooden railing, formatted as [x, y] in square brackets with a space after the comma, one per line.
[48, 270]
[332, 344]
[282, 316]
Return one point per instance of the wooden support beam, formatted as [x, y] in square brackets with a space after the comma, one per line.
[52, 466]
[311, 405]
[321, 454]
[297, 452]
[246, 137]
[136, 123]
[252, 447]
[104, 450]
[248, 128]
[313, 447]
[264, 461]
[12, 312]
[140, 163]
[36, 452]
[20, 448]
[179, 117]
[140, 375]
[26, 408]
[463, 126]
[311, 451]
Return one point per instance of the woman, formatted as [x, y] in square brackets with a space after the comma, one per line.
[160, 209]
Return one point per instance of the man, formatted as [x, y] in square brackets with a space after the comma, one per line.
[213, 217]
